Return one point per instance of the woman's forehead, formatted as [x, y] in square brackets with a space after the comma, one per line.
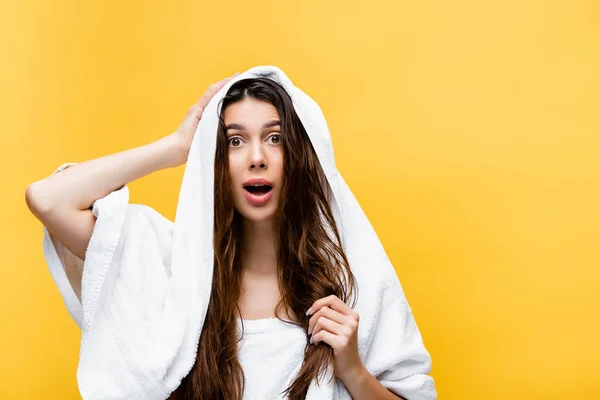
[250, 114]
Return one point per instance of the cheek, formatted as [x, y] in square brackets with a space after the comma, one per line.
[280, 167]
[277, 160]
[235, 169]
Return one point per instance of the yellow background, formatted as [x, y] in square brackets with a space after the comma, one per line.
[468, 130]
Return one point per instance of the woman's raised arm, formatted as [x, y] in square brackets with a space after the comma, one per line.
[62, 201]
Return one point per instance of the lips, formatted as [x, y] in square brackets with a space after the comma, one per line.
[258, 181]
[258, 186]
[258, 191]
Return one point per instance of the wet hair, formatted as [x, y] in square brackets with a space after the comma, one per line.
[311, 264]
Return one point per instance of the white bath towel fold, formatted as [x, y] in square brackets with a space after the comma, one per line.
[146, 281]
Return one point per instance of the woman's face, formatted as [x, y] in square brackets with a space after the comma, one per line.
[255, 152]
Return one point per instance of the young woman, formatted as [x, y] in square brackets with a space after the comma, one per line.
[283, 297]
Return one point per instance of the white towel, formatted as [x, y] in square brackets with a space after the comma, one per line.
[146, 281]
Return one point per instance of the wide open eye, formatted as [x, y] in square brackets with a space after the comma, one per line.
[231, 139]
[277, 136]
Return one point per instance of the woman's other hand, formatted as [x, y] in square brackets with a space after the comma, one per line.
[336, 324]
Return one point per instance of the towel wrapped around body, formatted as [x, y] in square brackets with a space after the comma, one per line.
[146, 282]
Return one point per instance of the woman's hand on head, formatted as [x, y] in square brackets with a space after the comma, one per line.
[185, 133]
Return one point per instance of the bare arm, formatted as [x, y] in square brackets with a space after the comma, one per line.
[363, 385]
[78, 186]
[62, 201]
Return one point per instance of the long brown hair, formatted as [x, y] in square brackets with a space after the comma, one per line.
[311, 264]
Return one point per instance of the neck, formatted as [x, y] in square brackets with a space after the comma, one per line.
[258, 248]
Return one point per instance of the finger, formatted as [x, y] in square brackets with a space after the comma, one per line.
[333, 302]
[224, 81]
[213, 89]
[210, 92]
[325, 336]
[196, 109]
[327, 313]
[328, 325]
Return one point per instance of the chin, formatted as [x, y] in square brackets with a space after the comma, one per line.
[257, 215]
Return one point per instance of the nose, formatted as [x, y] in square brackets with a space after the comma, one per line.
[257, 157]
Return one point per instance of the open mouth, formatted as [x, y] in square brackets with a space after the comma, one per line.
[258, 190]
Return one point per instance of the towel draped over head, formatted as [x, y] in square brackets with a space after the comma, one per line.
[146, 281]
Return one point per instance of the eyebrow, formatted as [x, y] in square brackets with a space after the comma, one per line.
[242, 127]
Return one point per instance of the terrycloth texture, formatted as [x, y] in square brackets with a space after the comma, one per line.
[146, 283]
[271, 354]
